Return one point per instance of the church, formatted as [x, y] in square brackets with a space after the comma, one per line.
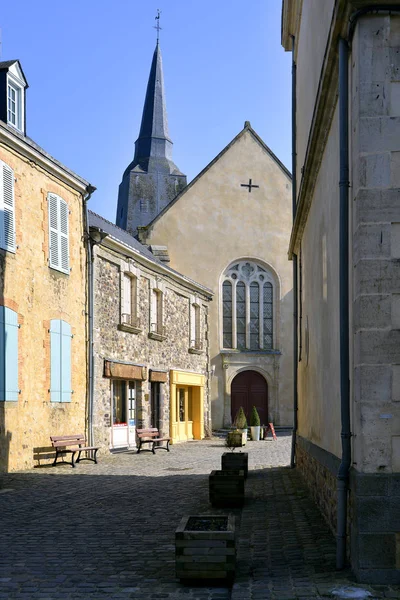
[228, 230]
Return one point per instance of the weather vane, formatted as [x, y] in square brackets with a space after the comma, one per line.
[158, 24]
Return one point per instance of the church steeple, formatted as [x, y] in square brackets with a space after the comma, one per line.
[151, 180]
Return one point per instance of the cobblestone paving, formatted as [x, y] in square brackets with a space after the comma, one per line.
[106, 531]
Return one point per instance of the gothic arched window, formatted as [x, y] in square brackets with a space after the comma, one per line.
[247, 307]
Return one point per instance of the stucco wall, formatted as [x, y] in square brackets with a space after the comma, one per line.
[316, 17]
[216, 221]
[40, 294]
[113, 344]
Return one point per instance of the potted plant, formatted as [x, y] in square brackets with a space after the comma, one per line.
[226, 488]
[255, 424]
[238, 436]
[234, 462]
[205, 547]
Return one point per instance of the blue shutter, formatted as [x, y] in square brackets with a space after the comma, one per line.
[8, 354]
[11, 346]
[2, 355]
[65, 362]
[55, 360]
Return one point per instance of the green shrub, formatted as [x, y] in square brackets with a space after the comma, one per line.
[240, 419]
[254, 418]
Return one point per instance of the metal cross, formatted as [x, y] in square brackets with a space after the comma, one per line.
[249, 185]
[157, 18]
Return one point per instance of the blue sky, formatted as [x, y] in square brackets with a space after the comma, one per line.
[87, 63]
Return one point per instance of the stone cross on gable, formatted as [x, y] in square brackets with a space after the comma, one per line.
[249, 185]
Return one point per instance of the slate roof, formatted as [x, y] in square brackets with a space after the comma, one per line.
[123, 236]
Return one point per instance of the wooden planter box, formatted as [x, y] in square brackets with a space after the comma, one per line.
[236, 439]
[235, 461]
[205, 548]
[226, 488]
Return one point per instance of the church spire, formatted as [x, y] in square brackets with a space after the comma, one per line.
[154, 140]
[152, 179]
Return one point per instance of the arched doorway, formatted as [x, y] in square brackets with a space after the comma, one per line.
[249, 389]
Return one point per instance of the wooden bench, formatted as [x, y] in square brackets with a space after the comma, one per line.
[78, 442]
[151, 435]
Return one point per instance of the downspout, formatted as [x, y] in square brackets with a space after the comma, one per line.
[295, 282]
[344, 183]
[343, 473]
[90, 355]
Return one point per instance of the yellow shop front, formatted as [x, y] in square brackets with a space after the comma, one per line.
[187, 406]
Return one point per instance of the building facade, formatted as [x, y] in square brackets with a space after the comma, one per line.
[229, 229]
[151, 351]
[346, 240]
[43, 380]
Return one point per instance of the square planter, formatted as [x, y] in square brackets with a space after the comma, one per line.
[226, 488]
[236, 439]
[205, 548]
[235, 461]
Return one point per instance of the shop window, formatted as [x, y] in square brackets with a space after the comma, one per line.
[119, 403]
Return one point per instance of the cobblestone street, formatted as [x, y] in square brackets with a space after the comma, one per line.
[107, 530]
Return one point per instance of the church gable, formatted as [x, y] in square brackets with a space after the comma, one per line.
[236, 165]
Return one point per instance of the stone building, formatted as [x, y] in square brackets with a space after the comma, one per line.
[236, 214]
[151, 352]
[43, 379]
[228, 229]
[346, 242]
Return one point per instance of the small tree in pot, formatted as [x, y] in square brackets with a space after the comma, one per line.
[238, 436]
[255, 424]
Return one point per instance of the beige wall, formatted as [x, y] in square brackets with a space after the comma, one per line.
[39, 294]
[215, 222]
[318, 375]
[316, 17]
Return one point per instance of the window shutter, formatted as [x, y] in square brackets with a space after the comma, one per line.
[8, 209]
[53, 231]
[11, 354]
[64, 242]
[65, 362]
[58, 233]
[127, 295]
[55, 360]
[192, 324]
[8, 354]
[153, 310]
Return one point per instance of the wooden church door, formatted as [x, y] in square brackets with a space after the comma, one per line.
[249, 389]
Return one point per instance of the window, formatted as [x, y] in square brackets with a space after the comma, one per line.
[8, 354]
[195, 341]
[7, 208]
[129, 301]
[157, 328]
[14, 105]
[58, 233]
[144, 205]
[60, 361]
[247, 307]
[119, 415]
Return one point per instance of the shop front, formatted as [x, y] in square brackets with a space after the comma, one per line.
[126, 401]
[186, 406]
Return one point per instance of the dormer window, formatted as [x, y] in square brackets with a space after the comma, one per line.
[12, 94]
[14, 105]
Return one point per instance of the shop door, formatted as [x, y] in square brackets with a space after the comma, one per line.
[119, 429]
[132, 391]
[249, 389]
[155, 404]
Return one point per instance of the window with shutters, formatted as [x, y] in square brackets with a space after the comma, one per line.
[9, 327]
[130, 320]
[58, 233]
[247, 298]
[195, 342]
[60, 361]
[7, 208]
[157, 328]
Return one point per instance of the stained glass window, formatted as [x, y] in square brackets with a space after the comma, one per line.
[268, 316]
[247, 297]
[227, 314]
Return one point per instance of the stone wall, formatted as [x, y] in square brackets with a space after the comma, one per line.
[111, 343]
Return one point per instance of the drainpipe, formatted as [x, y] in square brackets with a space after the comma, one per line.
[343, 473]
[295, 283]
[90, 190]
